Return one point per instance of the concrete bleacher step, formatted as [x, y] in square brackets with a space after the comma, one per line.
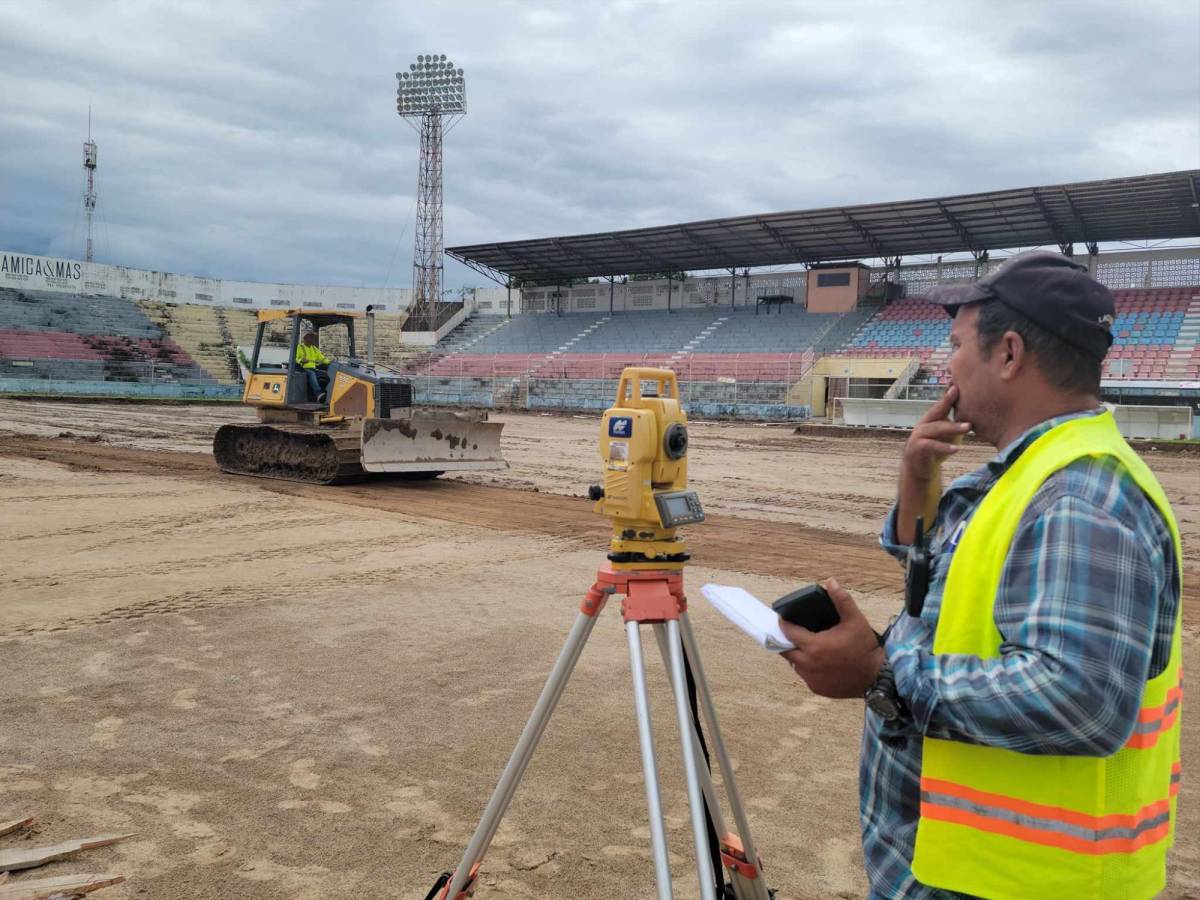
[563, 348]
[196, 330]
[699, 339]
[481, 329]
[467, 334]
[1180, 365]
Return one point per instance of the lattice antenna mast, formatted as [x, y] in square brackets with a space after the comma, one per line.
[89, 195]
[432, 92]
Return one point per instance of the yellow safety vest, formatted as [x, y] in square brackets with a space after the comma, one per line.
[308, 357]
[1000, 824]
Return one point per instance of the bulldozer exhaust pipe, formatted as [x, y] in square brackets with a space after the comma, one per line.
[370, 335]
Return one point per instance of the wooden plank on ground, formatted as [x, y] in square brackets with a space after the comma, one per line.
[11, 860]
[15, 825]
[59, 886]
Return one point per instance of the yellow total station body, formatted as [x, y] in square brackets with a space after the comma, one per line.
[643, 443]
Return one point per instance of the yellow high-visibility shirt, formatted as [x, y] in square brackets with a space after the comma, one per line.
[309, 357]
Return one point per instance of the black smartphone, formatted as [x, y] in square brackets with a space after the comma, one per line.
[808, 607]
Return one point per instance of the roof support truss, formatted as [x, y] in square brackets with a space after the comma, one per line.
[973, 243]
[656, 264]
[866, 235]
[487, 271]
[801, 254]
[1076, 214]
[1052, 223]
[579, 254]
[536, 270]
[702, 244]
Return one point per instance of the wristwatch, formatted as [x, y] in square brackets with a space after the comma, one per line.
[882, 697]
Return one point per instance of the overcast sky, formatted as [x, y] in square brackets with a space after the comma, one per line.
[259, 141]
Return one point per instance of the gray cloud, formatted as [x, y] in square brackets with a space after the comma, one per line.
[259, 141]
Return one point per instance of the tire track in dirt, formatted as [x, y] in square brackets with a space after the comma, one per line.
[734, 543]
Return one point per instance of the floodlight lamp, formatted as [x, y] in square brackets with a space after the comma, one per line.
[443, 57]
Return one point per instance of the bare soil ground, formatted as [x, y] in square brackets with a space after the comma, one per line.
[293, 691]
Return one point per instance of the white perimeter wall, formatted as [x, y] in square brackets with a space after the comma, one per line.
[46, 273]
[1151, 422]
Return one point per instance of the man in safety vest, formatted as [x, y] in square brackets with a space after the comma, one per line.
[308, 357]
[1022, 733]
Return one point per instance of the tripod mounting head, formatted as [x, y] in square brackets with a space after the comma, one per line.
[643, 445]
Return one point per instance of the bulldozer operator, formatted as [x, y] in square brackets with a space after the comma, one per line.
[315, 364]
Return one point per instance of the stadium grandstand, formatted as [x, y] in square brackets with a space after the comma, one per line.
[792, 315]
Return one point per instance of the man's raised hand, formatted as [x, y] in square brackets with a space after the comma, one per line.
[933, 438]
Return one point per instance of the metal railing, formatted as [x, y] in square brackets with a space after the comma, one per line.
[759, 400]
[739, 367]
[109, 377]
[147, 371]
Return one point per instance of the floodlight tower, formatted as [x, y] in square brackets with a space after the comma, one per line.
[89, 195]
[431, 91]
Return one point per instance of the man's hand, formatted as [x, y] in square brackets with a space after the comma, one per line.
[839, 662]
[933, 439]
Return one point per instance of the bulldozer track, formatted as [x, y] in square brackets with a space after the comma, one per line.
[732, 543]
[290, 453]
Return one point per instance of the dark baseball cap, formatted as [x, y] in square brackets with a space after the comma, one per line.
[1047, 287]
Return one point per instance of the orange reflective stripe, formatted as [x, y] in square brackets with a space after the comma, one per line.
[1176, 778]
[1153, 713]
[1052, 826]
[1042, 811]
[1153, 721]
[1062, 841]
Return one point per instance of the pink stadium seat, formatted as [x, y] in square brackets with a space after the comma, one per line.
[17, 344]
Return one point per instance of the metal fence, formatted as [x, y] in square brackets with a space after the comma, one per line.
[747, 367]
[767, 391]
[760, 400]
[108, 378]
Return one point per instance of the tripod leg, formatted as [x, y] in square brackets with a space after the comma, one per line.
[706, 782]
[641, 700]
[695, 799]
[718, 742]
[522, 753]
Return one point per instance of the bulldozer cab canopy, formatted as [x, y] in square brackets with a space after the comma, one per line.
[281, 331]
[318, 317]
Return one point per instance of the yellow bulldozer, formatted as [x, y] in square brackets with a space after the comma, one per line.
[362, 421]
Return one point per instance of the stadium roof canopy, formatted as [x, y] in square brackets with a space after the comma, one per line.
[1147, 207]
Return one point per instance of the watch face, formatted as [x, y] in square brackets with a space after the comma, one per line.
[883, 705]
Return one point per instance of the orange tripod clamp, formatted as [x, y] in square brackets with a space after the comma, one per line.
[468, 890]
[652, 595]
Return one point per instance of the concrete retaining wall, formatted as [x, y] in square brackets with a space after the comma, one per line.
[166, 390]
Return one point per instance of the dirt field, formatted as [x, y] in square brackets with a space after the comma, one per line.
[296, 692]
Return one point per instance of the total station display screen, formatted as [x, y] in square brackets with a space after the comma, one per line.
[678, 507]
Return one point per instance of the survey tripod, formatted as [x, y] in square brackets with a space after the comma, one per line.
[656, 598]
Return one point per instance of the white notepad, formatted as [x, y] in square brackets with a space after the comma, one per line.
[750, 614]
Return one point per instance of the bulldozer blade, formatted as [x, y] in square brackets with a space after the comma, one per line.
[432, 441]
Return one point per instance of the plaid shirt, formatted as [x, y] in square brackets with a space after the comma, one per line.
[1086, 607]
